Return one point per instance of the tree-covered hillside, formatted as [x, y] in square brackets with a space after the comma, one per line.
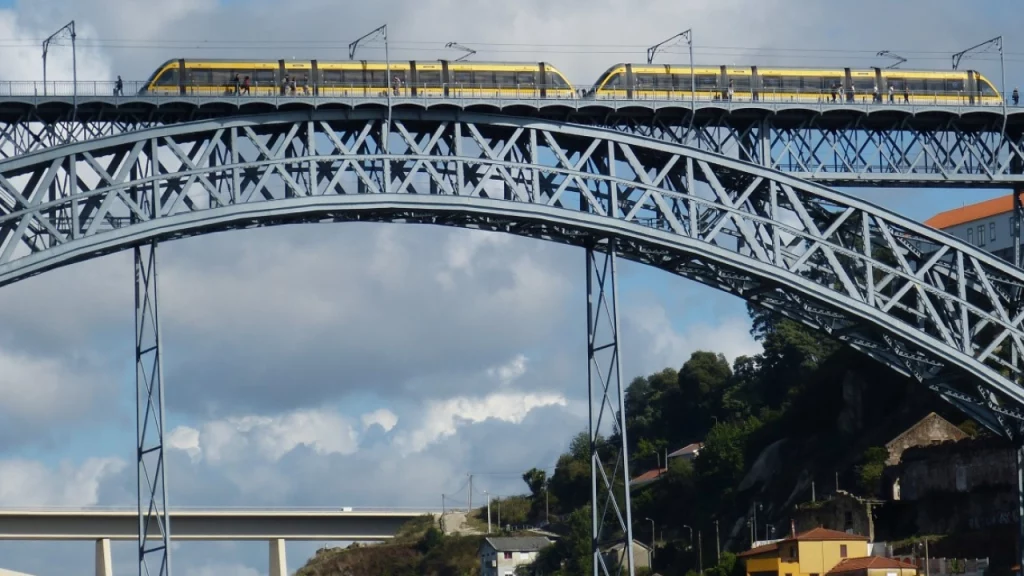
[805, 409]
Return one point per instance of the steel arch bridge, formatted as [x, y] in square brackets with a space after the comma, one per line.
[840, 144]
[918, 300]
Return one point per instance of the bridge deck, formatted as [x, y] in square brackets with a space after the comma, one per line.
[168, 109]
[206, 524]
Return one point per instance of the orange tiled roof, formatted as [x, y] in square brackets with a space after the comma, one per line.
[759, 550]
[820, 534]
[688, 449]
[649, 475]
[874, 562]
[972, 212]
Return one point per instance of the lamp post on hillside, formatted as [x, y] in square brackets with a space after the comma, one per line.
[488, 511]
[651, 560]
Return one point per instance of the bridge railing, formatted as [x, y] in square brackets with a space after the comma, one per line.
[135, 89]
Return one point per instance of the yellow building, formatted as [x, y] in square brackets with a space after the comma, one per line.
[811, 553]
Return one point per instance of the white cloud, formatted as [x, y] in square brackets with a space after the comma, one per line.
[31, 483]
[23, 59]
[36, 387]
[510, 372]
[384, 417]
[665, 346]
[443, 417]
[271, 437]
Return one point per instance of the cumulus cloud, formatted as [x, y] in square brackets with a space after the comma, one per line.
[32, 483]
[664, 345]
[324, 431]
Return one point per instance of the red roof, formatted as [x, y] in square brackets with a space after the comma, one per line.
[876, 562]
[688, 449]
[972, 212]
[759, 550]
[649, 476]
[820, 534]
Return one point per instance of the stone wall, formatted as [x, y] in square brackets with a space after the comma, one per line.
[932, 429]
[843, 512]
[959, 467]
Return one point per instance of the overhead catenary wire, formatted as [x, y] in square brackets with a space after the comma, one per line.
[706, 51]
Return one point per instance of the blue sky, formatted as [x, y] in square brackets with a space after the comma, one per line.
[301, 353]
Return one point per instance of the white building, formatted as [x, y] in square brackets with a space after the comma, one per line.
[501, 556]
[688, 452]
[642, 555]
[987, 225]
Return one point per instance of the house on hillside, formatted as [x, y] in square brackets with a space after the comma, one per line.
[501, 556]
[932, 429]
[642, 555]
[811, 553]
[688, 452]
[842, 512]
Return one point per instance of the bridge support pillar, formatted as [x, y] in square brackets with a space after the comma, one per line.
[611, 514]
[154, 558]
[278, 559]
[103, 564]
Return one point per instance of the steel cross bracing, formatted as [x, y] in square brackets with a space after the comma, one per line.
[901, 150]
[835, 144]
[154, 558]
[610, 508]
[915, 299]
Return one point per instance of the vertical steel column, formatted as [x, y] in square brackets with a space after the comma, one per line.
[1019, 451]
[149, 398]
[604, 376]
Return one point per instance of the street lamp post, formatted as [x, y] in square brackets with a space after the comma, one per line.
[651, 559]
[488, 511]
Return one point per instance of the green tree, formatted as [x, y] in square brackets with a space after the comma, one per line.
[702, 382]
[536, 480]
[869, 473]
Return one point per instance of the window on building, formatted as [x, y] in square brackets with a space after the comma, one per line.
[792, 551]
[992, 231]
[508, 555]
[970, 235]
[842, 550]
[981, 235]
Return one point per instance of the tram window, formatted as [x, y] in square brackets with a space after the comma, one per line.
[332, 77]
[505, 78]
[555, 81]
[986, 88]
[615, 82]
[430, 77]
[263, 76]
[400, 74]
[462, 77]
[895, 82]
[771, 83]
[646, 81]
[681, 81]
[814, 84]
[916, 85]
[707, 82]
[863, 85]
[352, 77]
[377, 77]
[168, 78]
[200, 76]
[526, 78]
[791, 83]
[954, 85]
[740, 83]
[222, 77]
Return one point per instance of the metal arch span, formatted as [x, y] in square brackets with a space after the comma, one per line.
[918, 300]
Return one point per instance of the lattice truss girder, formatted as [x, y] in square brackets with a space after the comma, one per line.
[921, 302]
[901, 152]
[31, 134]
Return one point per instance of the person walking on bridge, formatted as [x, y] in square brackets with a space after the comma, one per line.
[1016, 96]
